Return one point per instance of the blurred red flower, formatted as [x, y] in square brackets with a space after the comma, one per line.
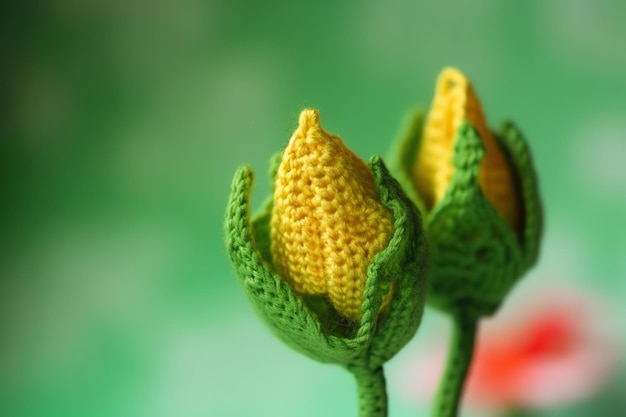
[552, 349]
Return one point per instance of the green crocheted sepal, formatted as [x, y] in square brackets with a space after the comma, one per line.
[403, 154]
[309, 324]
[475, 255]
[516, 147]
[404, 264]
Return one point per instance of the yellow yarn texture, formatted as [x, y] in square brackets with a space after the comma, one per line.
[455, 101]
[327, 222]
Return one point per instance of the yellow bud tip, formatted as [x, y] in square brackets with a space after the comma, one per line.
[450, 78]
[309, 119]
[310, 134]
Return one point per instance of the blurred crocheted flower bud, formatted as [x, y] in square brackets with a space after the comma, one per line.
[334, 262]
[550, 349]
[455, 102]
[478, 189]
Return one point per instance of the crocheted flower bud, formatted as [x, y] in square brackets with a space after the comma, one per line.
[337, 240]
[455, 102]
[478, 189]
[328, 222]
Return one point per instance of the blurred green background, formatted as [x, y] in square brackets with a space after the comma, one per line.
[124, 121]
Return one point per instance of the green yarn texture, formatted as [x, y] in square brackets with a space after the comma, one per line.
[371, 388]
[308, 324]
[457, 365]
[476, 257]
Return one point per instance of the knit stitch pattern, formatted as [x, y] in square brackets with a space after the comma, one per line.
[455, 102]
[297, 318]
[328, 222]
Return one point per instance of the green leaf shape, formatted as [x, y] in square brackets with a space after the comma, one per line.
[475, 254]
[403, 262]
[515, 145]
[404, 153]
[290, 315]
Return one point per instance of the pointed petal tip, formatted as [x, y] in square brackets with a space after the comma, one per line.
[308, 119]
[451, 77]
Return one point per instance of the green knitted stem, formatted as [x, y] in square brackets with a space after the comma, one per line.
[457, 367]
[372, 390]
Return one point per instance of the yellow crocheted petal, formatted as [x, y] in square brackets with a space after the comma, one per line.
[455, 101]
[327, 222]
